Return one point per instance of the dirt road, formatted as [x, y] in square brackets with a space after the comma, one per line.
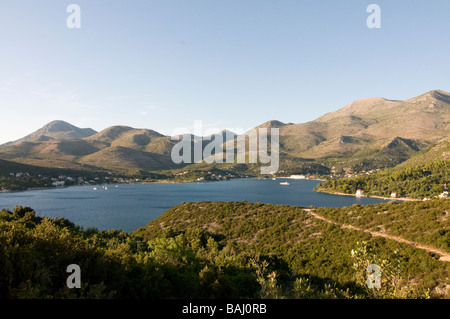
[444, 256]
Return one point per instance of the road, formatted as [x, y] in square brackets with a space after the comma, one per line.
[444, 256]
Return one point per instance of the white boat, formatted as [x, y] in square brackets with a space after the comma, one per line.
[274, 179]
[284, 183]
[95, 188]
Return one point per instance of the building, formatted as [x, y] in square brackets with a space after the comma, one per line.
[58, 183]
[393, 195]
[298, 176]
[359, 192]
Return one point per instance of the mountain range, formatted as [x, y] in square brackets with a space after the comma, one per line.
[366, 134]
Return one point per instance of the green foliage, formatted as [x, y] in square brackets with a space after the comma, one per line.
[424, 180]
[34, 254]
[208, 250]
[392, 284]
[301, 256]
[424, 222]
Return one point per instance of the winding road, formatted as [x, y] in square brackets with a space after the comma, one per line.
[444, 256]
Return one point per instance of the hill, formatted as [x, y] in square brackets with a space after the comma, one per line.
[368, 134]
[60, 144]
[376, 132]
[225, 251]
[303, 245]
[435, 152]
[56, 130]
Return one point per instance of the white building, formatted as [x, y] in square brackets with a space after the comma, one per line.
[359, 192]
[58, 183]
[298, 176]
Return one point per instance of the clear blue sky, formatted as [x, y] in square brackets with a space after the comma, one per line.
[230, 63]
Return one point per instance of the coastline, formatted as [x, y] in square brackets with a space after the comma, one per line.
[96, 185]
[304, 179]
[404, 199]
[164, 181]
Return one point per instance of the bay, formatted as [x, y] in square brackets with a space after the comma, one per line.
[130, 206]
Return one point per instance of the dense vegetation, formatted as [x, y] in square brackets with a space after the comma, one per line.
[420, 181]
[210, 250]
[22, 183]
[305, 246]
[424, 222]
[35, 252]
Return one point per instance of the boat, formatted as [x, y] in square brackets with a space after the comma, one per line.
[274, 179]
[95, 188]
[284, 183]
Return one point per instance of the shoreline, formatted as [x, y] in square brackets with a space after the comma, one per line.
[148, 182]
[97, 185]
[304, 179]
[404, 199]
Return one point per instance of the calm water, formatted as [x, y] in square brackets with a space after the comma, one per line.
[128, 207]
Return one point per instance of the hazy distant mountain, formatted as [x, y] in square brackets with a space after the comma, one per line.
[374, 132]
[129, 148]
[272, 124]
[56, 130]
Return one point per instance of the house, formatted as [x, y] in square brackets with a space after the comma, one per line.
[393, 195]
[58, 183]
[359, 192]
[298, 176]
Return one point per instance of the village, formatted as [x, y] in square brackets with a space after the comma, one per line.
[210, 176]
[24, 180]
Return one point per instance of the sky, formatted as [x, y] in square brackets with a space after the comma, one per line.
[232, 64]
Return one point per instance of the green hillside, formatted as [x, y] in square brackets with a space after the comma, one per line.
[425, 223]
[302, 246]
[219, 250]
